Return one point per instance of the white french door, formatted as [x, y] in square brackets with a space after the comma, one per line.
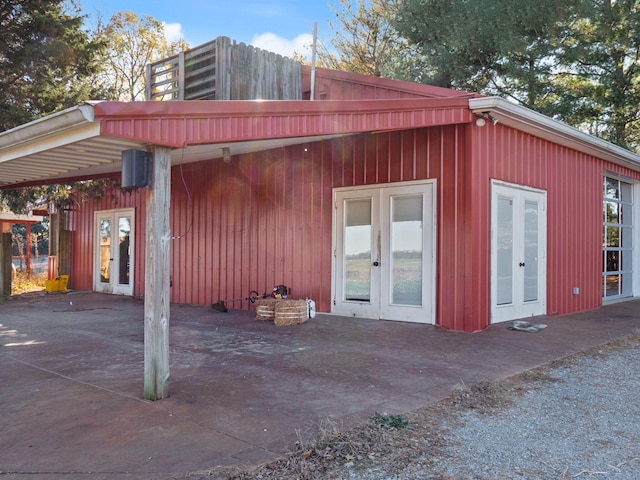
[113, 263]
[518, 252]
[384, 239]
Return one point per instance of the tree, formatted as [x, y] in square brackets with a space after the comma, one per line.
[368, 44]
[601, 74]
[133, 42]
[47, 65]
[113, 63]
[46, 57]
[575, 60]
[491, 46]
[62, 195]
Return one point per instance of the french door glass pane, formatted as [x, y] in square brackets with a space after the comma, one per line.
[626, 264]
[611, 189]
[124, 236]
[611, 285]
[625, 192]
[406, 250]
[613, 261]
[357, 250]
[611, 212]
[626, 284]
[625, 214]
[626, 239]
[612, 236]
[530, 251]
[505, 251]
[105, 250]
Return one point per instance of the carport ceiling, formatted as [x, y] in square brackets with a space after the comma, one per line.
[101, 156]
[69, 146]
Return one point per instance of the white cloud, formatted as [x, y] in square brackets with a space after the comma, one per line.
[173, 31]
[301, 45]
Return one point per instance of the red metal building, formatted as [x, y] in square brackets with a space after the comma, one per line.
[380, 198]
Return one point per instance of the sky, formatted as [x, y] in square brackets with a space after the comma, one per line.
[280, 26]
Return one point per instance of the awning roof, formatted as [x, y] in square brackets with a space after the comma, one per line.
[86, 141]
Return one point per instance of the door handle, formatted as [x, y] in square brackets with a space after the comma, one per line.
[375, 264]
[522, 264]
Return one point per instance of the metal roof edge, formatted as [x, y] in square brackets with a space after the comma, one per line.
[424, 89]
[194, 122]
[64, 120]
[265, 108]
[530, 121]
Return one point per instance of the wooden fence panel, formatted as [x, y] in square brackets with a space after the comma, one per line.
[224, 70]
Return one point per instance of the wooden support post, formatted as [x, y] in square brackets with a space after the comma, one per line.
[5, 266]
[156, 296]
[64, 244]
[28, 249]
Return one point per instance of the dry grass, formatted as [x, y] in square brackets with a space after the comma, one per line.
[21, 283]
[327, 450]
[484, 396]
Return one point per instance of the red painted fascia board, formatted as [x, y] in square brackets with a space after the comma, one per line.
[180, 123]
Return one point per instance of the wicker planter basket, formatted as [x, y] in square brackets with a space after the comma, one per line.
[281, 311]
[291, 312]
[266, 308]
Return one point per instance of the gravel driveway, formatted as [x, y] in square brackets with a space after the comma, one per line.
[576, 418]
[581, 421]
[586, 424]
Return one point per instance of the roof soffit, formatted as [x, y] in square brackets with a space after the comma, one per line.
[55, 146]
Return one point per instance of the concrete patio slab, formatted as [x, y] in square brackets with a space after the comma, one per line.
[72, 380]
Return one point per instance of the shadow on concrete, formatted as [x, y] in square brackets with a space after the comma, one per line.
[72, 380]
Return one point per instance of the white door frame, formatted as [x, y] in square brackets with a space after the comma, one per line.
[113, 286]
[519, 307]
[381, 305]
[635, 255]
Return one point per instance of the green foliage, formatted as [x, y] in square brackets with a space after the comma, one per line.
[390, 421]
[61, 195]
[601, 56]
[50, 63]
[39, 237]
[47, 65]
[46, 57]
[368, 44]
[488, 46]
[575, 60]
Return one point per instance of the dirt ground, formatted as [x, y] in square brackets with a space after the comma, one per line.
[392, 442]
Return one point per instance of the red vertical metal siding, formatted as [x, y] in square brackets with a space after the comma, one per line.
[252, 224]
[266, 218]
[573, 182]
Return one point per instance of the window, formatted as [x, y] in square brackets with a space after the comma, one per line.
[617, 239]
